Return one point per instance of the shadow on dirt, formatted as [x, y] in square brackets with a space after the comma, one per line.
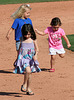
[10, 94]
[44, 69]
[3, 71]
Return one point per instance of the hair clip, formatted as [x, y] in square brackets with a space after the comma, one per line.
[27, 5]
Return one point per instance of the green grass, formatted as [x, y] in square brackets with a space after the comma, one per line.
[26, 1]
[71, 39]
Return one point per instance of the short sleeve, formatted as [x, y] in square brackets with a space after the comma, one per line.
[62, 32]
[30, 21]
[46, 31]
[15, 24]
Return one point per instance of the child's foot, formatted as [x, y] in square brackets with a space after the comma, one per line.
[51, 70]
[29, 92]
[23, 89]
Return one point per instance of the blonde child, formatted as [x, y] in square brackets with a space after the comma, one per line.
[55, 42]
[21, 17]
[27, 58]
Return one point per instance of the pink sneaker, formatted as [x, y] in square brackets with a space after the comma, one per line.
[52, 70]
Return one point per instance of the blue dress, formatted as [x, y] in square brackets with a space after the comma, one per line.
[25, 59]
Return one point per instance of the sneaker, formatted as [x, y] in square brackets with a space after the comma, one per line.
[51, 70]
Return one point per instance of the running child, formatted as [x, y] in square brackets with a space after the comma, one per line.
[55, 42]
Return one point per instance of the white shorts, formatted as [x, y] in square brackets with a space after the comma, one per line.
[53, 51]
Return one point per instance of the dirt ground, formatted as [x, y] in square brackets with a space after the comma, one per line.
[58, 85]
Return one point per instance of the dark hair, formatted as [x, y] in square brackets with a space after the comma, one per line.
[28, 28]
[55, 21]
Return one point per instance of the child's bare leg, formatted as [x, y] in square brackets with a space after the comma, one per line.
[28, 82]
[16, 59]
[62, 55]
[17, 53]
[28, 70]
[25, 81]
[26, 76]
[52, 61]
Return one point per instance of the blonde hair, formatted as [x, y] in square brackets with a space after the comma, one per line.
[19, 12]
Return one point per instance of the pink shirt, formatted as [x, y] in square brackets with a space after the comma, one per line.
[55, 40]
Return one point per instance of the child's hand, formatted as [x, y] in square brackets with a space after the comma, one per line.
[69, 45]
[39, 32]
[7, 36]
[36, 30]
[35, 57]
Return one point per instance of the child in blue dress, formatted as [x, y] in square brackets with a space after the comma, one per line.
[27, 58]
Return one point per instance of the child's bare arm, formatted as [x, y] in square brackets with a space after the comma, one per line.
[67, 41]
[9, 32]
[39, 32]
[36, 49]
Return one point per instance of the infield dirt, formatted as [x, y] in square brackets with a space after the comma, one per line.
[58, 85]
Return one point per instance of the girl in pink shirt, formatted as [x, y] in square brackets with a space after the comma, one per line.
[54, 38]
